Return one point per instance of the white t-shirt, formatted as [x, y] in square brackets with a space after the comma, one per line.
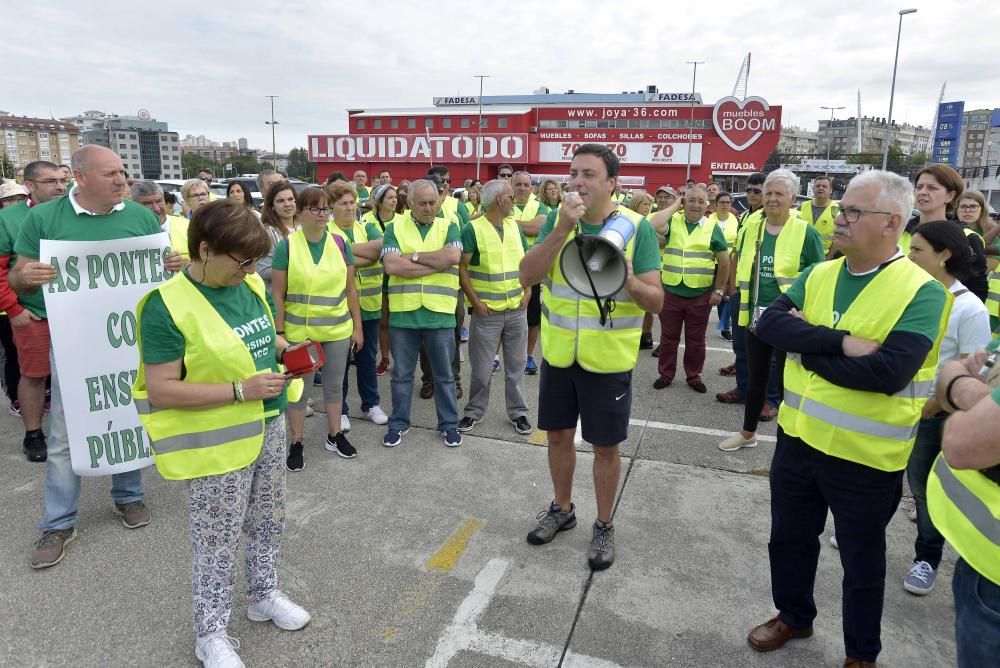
[968, 326]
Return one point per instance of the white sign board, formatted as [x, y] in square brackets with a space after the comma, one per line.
[91, 308]
[629, 153]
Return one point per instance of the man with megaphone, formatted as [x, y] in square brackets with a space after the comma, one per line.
[599, 267]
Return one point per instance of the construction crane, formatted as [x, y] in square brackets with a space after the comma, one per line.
[742, 80]
[936, 109]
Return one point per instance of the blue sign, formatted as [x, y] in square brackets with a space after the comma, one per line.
[946, 134]
[995, 119]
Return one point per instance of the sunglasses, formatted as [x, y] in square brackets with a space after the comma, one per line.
[755, 191]
[244, 263]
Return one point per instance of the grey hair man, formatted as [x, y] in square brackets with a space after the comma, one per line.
[266, 179]
[856, 364]
[150, 195]
[94, 210]
[492, 248]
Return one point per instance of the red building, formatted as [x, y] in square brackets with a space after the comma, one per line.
[650, 132]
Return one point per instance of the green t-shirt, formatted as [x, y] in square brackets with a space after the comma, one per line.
[422, 318]
[812, 252]
[922, 316]
[646, 256]
[470, 245]
[57, 220]
[363, 193]
[373, 232]
[11, 219]
[718, 244]
[239, 307]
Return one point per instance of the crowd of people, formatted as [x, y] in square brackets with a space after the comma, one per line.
[856, 324]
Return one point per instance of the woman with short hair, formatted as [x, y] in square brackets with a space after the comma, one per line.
[195, 194]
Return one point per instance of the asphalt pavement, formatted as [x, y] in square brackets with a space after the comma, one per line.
[416, 556]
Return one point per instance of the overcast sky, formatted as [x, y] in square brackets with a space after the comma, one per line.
[205, 68]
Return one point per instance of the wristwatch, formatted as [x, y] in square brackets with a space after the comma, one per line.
[720, 293]
[415, 258]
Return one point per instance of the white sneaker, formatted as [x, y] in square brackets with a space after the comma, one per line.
[278, 608]
[345, 423]
[218, 650]
[736, 441]
[833, 540]
[377, 415]
[310, 411]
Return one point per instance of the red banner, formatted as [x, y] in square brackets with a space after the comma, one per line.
[447, 149]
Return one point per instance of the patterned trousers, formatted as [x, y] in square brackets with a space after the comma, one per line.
[251, 502]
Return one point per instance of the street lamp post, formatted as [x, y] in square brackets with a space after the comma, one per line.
[694, 78]
[892, 90]
[829, 136]
[273, 123]
[479, 133]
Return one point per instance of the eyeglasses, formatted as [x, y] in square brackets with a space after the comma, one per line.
[968, 207]
[50, 182]
[724, 202]
[205, 178]
[199, 195]
[244, 263]
[317, 211]
[852, 215]
[755, 191]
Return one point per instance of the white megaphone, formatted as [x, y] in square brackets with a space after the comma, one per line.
[594, 264]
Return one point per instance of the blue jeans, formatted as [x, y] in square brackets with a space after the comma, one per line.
[977, 617]
[364, 361]
[740, 348]
[440, 346]
[62, 485]
[929, 542]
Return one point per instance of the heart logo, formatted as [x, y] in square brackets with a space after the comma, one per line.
[740, 122]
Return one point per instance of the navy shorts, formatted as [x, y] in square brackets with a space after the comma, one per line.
[601, 401]
[535, 306]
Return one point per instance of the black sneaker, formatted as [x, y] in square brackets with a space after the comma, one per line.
[295, 461]
[341, 446]
[727, 334]
[35, 446]
[646, 341]
[522, 426]
[602, 547]
[551, 522]
[467, 424]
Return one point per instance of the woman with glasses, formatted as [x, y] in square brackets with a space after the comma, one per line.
[280, 219]
[937, 192]
[210, 394]
[316, 299]
[723, 216]
[365, 242]
[384, 200]
[195, 194]
[236, 192]
[974, 213]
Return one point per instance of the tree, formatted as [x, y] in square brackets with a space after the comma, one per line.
[6, 166]
[244, 164]
[298, 164]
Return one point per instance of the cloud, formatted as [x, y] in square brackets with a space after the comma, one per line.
[206, 69]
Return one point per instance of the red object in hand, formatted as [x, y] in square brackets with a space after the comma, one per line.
[304, 359]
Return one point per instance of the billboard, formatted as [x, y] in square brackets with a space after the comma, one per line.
[947, 132]
[417, 148]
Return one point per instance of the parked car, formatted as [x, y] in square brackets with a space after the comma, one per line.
[740, 203]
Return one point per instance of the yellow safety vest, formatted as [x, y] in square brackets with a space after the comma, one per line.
[993, 294]
[824, 224]
[197, 442]
[177, 230]
[530, 212]
[495, 278]
[869, 428]
[370, 217]
[688, 257]
[450, 208]
[965, 507]
[369, 277]
[571, 327]
[436, 292]
[729, 227]
[787, 257]
[316, 296]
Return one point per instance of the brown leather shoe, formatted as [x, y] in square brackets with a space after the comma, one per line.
[768, 413]
[427, 391]
[728, 370]
[773, 634]
[858, 663]
[730, 397]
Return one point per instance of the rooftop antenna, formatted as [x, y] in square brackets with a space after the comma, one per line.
[742, 79]
[935, 126]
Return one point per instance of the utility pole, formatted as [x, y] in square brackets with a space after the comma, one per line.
[274, 145]
[479, 136]
[829, 136]
[694, 78]
[892, 90]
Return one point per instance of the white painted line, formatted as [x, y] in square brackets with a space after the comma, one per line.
[693, 430]
[462, 633]
[717, 350]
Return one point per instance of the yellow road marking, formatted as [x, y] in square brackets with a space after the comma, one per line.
[538, 437]
[445, 558]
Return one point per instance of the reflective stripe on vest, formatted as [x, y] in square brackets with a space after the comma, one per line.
[496, 279]
[965, 507]
[687, 257]
[571, 327]
[530, 212]
[368, 278]
[787, 259]
[436, 292]
[193, 443]
[316, 301]
[868, 428]
[824, 224]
